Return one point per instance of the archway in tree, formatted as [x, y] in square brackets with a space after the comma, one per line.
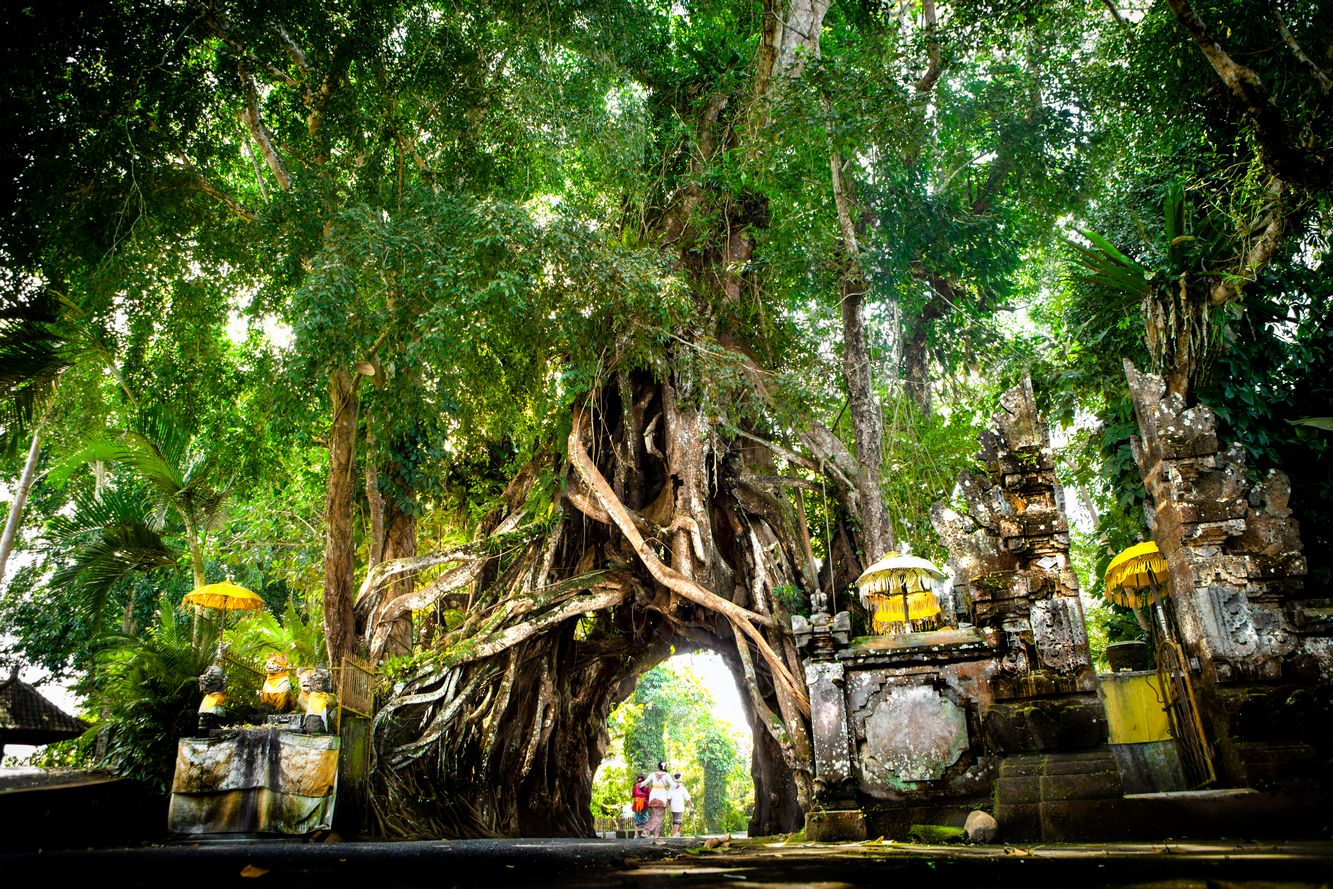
[665, 517]
[687, 712]
[655, 530]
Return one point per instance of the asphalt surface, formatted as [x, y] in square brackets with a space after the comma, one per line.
[675, 863]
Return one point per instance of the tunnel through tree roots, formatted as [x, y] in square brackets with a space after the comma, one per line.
[653, 534]
[688, 713]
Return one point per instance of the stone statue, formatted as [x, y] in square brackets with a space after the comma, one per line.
[303, 675]
[276, 694]
[319, 701]
[213, 707]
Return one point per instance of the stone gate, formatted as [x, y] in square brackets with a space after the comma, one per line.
[1000, 711]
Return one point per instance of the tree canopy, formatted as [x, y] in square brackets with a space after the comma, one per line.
[529, 340]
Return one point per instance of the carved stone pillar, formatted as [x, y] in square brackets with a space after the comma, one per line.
[1010, 550]
[1234, 550]
[1263, 643]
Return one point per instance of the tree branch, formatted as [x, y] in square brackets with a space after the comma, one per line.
[604, 595]
[383, 571]
[255, 124]
[294, 52]
[238, 210]
[1115, 14]
[218, 25]
[935, 68]
[1280, 154]
[1290, 39]
[1261, 252]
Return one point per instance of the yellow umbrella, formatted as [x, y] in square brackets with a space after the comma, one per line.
[898, 589]
[1136, 576]
[224, 596]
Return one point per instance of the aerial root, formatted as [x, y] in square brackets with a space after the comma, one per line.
[741, 618]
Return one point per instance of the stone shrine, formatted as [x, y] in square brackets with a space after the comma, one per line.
[1000, 710]
[920, 727]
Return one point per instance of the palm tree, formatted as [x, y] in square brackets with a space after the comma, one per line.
[42, 334]
[107, 536]
[33, 354]
[178, 474]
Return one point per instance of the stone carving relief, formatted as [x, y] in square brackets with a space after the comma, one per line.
[1059, 635]
[913, 735]
[1234, 551]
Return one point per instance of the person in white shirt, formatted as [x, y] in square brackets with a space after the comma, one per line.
[677, 797]
[658, 785]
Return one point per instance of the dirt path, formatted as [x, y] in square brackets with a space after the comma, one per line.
[541, 863]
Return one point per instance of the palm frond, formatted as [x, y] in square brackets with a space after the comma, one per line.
[32, 357]
[147, 692]
[93, 511]
[161, 454]
[112, 555]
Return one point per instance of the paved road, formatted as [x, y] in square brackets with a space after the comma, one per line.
[607, 864]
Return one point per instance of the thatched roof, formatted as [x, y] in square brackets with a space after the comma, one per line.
[28, 718]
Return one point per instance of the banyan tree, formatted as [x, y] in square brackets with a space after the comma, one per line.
[665, 534]
[669, 518]
[617, 266]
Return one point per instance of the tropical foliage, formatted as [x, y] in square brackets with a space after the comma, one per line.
[514, 345]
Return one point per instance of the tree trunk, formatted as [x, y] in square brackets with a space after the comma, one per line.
[20, 500]
[776, 805]
[339, 543]
[916, 366]
[867, 422]
[196, 551]
[512, 719]
[400, 542]
[375, 513]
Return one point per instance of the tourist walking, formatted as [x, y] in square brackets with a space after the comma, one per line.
[677, 797]
[658, 785]
[638, 800]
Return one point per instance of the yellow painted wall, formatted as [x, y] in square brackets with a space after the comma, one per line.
[1133, 707]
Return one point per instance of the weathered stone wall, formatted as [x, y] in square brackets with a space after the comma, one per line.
[1010, 549]
[1263, 641]
[1234, 550]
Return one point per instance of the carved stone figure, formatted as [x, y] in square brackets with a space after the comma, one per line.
[213, 707]
[276, 693]
[320, 702]
[303, 676]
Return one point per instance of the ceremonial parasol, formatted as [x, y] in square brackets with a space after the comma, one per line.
[1140, 576]
[1136, 576]
[224, 596]
[898, 589]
